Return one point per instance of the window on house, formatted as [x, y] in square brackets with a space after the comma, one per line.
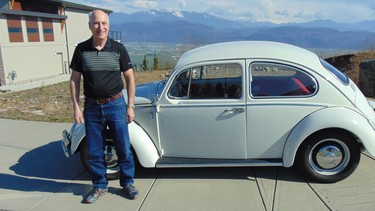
[48, 30]
[14, 28]
[32, 29]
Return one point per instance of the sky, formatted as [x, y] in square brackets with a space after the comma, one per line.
[276, 11]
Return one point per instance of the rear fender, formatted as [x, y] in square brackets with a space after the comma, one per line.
[334, 117]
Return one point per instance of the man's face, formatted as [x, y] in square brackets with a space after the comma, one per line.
[99, 25]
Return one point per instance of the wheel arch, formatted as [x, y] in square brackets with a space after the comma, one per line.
[143, 146]
[334, 118]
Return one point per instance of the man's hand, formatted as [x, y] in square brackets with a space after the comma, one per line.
[78, 117]
[130, 115]
[75, 80]
[130, 88]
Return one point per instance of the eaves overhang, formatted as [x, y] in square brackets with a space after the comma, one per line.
[32, 14]
[77, 6]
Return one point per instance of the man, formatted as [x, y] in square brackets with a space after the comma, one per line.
[101, 60]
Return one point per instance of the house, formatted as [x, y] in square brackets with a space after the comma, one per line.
[38, 38]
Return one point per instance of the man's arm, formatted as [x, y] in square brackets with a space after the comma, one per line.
[75, 81]
[130, 88]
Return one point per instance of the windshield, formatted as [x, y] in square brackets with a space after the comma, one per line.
[150, 90]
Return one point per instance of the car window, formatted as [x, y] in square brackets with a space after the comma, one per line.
[337, 73]
[216, 81]
[277, 80]
[180, 85]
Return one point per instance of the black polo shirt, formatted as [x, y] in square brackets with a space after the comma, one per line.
[102, 69]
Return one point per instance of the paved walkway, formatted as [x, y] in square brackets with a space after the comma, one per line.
[35, 175]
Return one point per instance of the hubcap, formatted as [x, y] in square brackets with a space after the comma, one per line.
[329, 156]
[111, 158]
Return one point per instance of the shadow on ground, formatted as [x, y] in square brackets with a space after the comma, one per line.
[46, 169]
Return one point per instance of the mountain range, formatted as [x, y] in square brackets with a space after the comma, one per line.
[173, 26]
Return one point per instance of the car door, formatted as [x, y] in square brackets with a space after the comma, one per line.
[280, 96]
[202, 115]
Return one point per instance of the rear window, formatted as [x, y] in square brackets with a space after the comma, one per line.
[337, 73]
[278, 80]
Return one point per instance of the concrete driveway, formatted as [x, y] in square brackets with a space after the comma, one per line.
[35, 175]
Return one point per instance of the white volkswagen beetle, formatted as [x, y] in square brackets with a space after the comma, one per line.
[248, 103]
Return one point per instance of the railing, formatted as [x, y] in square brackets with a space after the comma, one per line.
[116, 35]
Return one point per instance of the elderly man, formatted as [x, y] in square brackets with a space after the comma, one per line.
[101, 60]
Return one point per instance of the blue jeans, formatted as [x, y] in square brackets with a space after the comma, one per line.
[97, 118]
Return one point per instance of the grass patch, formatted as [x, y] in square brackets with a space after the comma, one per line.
[52, 103]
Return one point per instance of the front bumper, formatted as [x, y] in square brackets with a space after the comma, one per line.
[66, 143]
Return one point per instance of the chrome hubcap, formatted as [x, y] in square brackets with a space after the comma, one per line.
[111, 158]
[329, 156]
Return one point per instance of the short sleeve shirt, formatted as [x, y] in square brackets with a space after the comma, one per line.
[101, 69]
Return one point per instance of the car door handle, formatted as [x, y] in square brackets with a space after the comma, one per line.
[234, 110]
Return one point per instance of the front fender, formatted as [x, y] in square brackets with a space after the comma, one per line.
[143, 146]
[72, 140]
[334, 117]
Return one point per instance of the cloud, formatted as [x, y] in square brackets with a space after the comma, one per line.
[181, 4]
[302, 15]
[281, 11]
[145, 4]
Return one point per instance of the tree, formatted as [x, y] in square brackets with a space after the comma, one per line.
[155, 66]
[145, 63]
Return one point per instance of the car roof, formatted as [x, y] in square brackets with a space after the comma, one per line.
[249, 50]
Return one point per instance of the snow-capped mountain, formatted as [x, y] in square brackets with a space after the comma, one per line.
[173, 15]
[176, 26]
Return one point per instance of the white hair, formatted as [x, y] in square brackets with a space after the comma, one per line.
[91, 14]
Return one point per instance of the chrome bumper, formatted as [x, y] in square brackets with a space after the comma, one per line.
[66, 143]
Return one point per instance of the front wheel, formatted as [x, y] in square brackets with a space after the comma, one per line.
[328, 156]
[110, 157]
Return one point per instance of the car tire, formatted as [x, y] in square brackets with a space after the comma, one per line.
[328, 156]
[113, 170]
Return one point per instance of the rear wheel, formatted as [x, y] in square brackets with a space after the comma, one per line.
[329, 156]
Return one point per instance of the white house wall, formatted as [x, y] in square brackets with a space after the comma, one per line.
[38, 61]
[34, 60]
[3, 29]
[77, 28]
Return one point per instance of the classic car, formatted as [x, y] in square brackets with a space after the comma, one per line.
[246, 104]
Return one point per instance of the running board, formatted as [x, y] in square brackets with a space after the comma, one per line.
[188, 162]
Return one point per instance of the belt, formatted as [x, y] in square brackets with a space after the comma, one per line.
[104, 100]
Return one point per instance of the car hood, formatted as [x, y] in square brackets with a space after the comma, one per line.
[147, 93]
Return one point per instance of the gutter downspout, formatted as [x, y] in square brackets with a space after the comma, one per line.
[67, 41]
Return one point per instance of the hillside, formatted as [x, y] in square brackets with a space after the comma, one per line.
[324, 38]
[349, 63]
